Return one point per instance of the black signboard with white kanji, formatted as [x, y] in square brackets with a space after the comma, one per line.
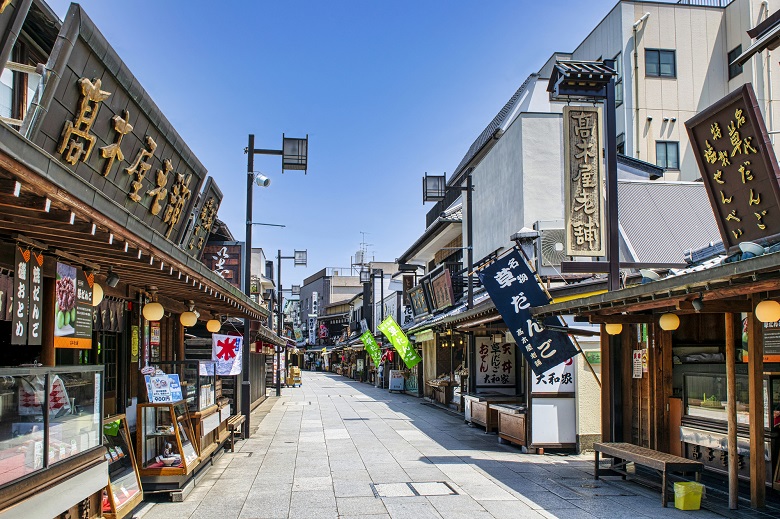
[21, 296]
[34, 335]
[514, 290]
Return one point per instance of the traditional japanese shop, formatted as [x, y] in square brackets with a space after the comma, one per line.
[689, 361]
[103, 222]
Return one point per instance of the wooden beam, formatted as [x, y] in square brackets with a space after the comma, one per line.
[606, 387]
[756, 408]
[623, 319]
[731, 409]
[717, 307]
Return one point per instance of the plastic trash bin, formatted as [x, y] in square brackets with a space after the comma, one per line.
[687, 495]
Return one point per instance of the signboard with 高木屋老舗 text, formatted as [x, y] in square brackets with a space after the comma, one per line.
[583, 181]
[738, 168]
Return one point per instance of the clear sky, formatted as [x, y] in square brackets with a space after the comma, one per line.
[386, 90]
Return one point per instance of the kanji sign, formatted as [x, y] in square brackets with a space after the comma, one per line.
[739, 168]
[226, 351]
[495, 363]
[559, 379]
[514, 290]
[371, 347]
[21, 296]
[225, 258]
[400, 342]
[583, 181]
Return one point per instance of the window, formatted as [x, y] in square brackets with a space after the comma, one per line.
[621, 143]
[660, 63]
[667, 154]
[619, 79]
[734, 70]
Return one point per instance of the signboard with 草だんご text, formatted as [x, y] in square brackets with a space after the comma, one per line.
[738, 168]
[583, 181]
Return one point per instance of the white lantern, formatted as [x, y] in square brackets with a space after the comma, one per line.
[669, 322]
[97, 294]
[613, 328]
[213, 325]
[188, 319]
[768, 311]
[153, 311]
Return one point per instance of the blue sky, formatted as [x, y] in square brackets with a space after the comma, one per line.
[386, 90]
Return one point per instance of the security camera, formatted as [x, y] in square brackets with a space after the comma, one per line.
[262, 181]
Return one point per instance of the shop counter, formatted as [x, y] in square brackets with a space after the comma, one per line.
[511, 422]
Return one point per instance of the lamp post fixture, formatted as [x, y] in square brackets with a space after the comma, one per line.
[300, 258]
[294, 154]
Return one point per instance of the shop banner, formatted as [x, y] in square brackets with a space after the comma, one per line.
[73, 308]
[400, 342]
[21, 296]
[514, 290]
[226, 351]
[36, 300]
[371, 347]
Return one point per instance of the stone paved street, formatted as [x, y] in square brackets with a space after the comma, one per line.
[337, 448]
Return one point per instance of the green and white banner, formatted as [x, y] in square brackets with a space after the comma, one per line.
[371, 347]
[400, 342]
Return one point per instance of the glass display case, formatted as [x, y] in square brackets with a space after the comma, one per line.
[123, 492]
[164, 438]
[198, 381]
[704, 396]
[47, 415]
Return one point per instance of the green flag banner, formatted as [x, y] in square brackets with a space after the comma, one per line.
[371, 347]
[400, 342]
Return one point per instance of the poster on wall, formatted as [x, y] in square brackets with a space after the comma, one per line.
[495, 363]
[226, 351]
[73, 308]
[21, 296]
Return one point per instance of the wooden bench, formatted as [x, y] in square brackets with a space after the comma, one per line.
[234, 425]
[623, 453]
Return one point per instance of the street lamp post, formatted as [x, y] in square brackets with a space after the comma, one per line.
[300, 258]
[295, 153]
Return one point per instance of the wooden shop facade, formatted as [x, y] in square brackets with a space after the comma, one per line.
[102, 204]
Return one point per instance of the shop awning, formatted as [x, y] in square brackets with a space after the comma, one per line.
[769, 40]
[267, 335]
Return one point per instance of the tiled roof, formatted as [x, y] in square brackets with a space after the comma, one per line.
[662, 220]
[491, 129]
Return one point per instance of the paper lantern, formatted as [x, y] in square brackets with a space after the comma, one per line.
[188, 319]
[613, 328]
[153, 311]
[213, 325]
[669, 322]
[97, 294]
[768, 311]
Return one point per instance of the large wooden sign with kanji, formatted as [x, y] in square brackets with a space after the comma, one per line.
[739, 168]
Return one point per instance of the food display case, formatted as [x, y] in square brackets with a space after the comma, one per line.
[197, 379]
[704, 428]
[123, 492]
[165, 447]
[47, 415]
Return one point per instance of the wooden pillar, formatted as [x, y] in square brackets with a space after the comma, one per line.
[731, 409]
[48, 319]
[756, 397]
[606, 387]
[662, 368]
[179, 338]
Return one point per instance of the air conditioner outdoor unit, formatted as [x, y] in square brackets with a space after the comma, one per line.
[550, 249]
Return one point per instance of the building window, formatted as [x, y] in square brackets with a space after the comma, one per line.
[660, 63]
[621, 143]
[734, 70]
[667, 154]
[619, 79]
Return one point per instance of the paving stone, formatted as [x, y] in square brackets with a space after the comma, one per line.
[360, 506]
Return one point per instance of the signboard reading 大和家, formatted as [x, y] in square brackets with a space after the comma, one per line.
[739, 168]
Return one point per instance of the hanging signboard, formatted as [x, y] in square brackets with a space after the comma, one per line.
[514, 290]
[34, 335]
[738, 168]
[400, 342]
[225, 259]
[203, 218]
[21, 296]
[73, 308]
[419, 301]
[442, 290]
[636, 364]
[495, 363]
[154, 340]
[583, 181]
[312, 322]
[226, 351]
